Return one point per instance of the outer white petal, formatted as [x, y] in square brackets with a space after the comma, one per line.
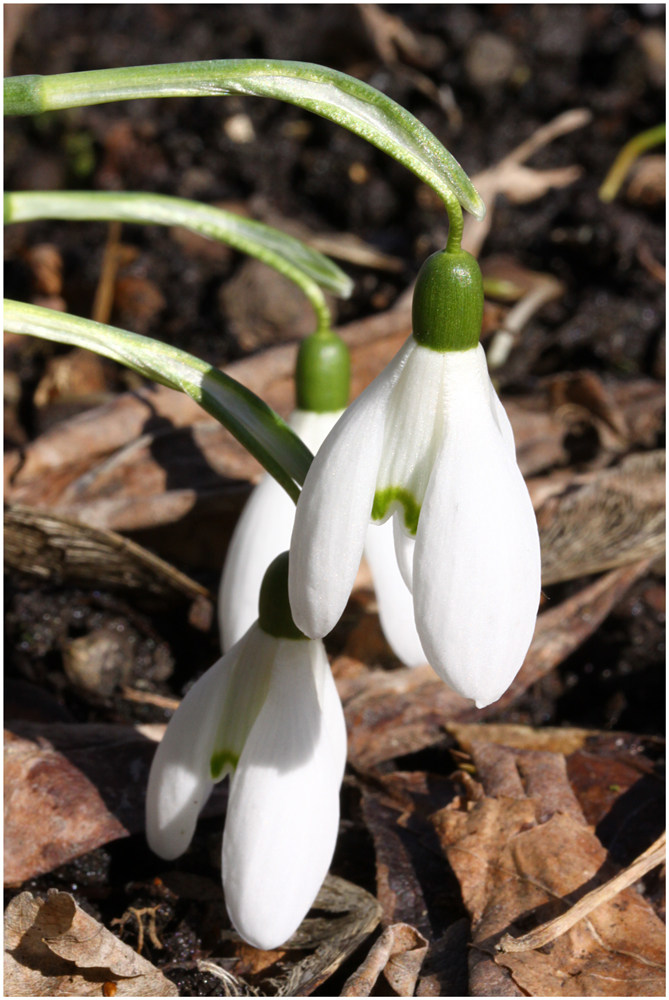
[394, 597]
[499, 413]
[477, 573]
[313, 428]
[283, 813]
[261, 534]
[180, 781]
[334, 507]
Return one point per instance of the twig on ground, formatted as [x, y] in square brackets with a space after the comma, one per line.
[654, 856]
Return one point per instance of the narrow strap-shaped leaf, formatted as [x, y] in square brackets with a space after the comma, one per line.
[262, 431]
[285, 253]
[337, 96]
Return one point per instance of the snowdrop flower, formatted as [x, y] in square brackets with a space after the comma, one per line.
[266, 524]
[429, 443]
[262, 532]
[268, 714]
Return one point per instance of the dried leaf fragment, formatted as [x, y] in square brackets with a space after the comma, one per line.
[398, 955]
[54, 948]
[523, 853]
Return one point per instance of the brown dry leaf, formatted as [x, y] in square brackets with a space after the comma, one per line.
[604, 519]
[53, 948]
[557, 739]
[410, 877]
[523, 854]
[616, 782]
[64, 811]
[263, 307]
[75, 786]
[390, 714]
[77, 374]
[397, 955]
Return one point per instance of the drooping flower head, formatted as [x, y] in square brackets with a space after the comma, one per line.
[264, 529]
[268, 714]
[429, 443]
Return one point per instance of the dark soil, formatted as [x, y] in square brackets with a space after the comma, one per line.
[610, 319]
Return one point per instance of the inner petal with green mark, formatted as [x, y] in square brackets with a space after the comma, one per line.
[246, 695]
[413, 434]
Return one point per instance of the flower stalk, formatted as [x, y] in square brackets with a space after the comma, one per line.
[308, 269]
[340, 98]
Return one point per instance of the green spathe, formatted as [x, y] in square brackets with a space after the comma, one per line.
[448, 302]
[322, 373]
[275, 616]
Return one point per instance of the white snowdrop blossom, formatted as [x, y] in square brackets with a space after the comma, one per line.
[268, 714]
[264, 530]
[429, 443]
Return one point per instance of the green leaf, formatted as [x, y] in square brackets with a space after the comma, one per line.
[337, 96]
[257, 427]
[285, 253]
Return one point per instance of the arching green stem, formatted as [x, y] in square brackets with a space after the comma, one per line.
[456, 222]
[340, 98]
[257, 427]
[307, 268]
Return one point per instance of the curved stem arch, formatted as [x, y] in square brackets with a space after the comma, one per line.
[255, 425]
[307, 268]
[341, 98]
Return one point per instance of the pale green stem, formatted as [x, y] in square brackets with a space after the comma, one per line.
[626, 157]
[340, 98]
[246, 235]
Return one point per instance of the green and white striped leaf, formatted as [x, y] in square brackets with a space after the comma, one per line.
[333, 95]
[257, 427]
[285, 253]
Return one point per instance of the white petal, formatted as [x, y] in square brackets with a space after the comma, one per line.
[313, 428]
[499, 413]
[394, 597]
[477, 563]
[180, 781]
[247, 689]
[414, 427]
[261, 534]
[405, 545]
[283, 813]
[335, 505]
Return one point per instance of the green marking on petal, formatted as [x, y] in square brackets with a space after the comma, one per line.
[383, 499]
[221, 760]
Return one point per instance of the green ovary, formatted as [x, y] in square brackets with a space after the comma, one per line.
[383, 499]
[219, 760]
